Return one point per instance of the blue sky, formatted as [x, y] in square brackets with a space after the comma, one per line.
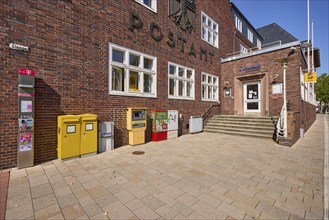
[292, 16]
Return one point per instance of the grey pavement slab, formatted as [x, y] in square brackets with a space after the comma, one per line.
[201, 176]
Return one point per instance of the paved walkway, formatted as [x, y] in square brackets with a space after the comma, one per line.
[202, 176]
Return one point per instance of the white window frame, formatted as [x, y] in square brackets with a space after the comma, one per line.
[259, 44]
[127, 68]
[238, 23]
[212, 86]
[213, 32]
[250, 35]
[183, 78]
[153, 5]
[243, 49]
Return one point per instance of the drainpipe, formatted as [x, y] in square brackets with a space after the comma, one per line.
[308, 36]
[285, 116]
[234, 36]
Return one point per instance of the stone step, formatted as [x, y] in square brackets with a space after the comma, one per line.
[241, 130]
[245, 134]
[243, 123]
[243, 119]
[246, 116]
[269, 127]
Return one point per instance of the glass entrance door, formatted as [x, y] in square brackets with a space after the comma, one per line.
[252, 101]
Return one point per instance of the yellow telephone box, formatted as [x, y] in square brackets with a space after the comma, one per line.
[88, 141]
[136, 125]
[68, 136]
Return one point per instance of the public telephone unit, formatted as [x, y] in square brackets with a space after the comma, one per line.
[136, 125]
[25, 148]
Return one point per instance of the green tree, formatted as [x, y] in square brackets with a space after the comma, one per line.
[322, 89]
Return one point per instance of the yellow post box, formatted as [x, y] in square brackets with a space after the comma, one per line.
[68, 136]
[88, 141]
[136, 125]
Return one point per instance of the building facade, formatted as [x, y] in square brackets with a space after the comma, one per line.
[102, 57]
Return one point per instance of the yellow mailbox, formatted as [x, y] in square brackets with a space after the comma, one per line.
[88, 141]
[136, 125]
[68, 136]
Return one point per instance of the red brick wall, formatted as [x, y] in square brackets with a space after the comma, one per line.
[68, 43]
[301, 114]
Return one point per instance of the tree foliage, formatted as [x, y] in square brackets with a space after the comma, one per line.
[322, 88]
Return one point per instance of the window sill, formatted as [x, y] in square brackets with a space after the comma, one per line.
[132, 94]
[182, 98]
[209, 43]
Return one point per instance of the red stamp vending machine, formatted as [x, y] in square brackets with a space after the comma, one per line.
[159, 125]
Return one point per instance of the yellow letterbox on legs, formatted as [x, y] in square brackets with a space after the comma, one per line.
[68, 136]
[88, 141]
[136, 125]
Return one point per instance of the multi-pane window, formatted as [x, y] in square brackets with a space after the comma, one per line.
[209, 30]
[238, 23]
[181, 82]
[131, 73]
[250, 35]
[150, 4]
[243, 49]
[209, 87]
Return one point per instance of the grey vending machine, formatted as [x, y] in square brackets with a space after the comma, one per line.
[25, 157]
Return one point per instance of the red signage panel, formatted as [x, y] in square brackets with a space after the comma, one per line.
[26, 72]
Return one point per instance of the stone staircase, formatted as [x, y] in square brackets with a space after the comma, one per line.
[251, 126]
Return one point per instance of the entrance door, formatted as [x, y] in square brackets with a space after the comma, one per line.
[252, 101]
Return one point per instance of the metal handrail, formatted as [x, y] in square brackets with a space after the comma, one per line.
[208, 110]
[280, 131]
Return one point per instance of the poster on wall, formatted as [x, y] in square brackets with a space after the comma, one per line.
[25, 141]
[26, 106]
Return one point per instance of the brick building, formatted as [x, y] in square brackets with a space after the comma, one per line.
[103, 56]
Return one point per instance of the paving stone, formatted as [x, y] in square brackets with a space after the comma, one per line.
[203, 208]
[231, 210]
[14, 202]
[84, 201]
[44, 201]
[273, 211]
[117, 210]
[67, 200]
[172, 191]
[209, 200]
[221, 197]
[49, 212]
[182, 209]
[251, 212]
[146, 213]
[62, 191]
[187, 199]
[92, 210]
[152, 201]
[252, 201]
[20, 212]
[166, 199]
[195, 216]
[124, 196]
[106, 200]
[97, 192]
[41, 190]
[73, 211]
[166, 212]
[192, 191]
[35, 181]
[134, 204]
[18, 190]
